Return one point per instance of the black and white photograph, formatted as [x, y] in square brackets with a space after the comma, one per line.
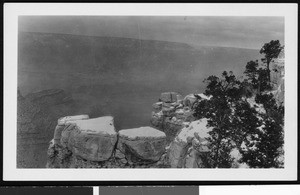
[153, 92]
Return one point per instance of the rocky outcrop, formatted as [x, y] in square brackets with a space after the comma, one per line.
[170, 97]
[189, 147]
[80, 142]
[142, 144]
[170, 116]
[277, 78]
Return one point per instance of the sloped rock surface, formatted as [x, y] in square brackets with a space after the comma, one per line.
[142, 144]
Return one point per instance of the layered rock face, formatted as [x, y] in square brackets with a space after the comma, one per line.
[172, 111]
[185, 136]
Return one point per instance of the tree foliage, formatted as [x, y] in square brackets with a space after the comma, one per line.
[257, 77]
[253, 127]
[224, 91]
[271, 51]
[264, 149]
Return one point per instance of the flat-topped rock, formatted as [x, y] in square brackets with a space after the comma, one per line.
[101, 125]
[142, 133]
[91, 139]
[142, 144]
[63, 120]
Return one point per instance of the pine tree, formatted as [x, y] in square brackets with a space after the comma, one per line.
[271, 51]
[263, 150]
[237, 124]
[224, 91]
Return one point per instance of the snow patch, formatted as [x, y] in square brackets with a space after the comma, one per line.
[63, 120]
[204, 96]
[258, 107]
[199, 127]
[142, 132]
[99, 125]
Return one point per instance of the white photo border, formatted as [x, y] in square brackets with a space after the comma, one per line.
[13, 10]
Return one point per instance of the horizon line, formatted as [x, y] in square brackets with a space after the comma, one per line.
[192, 45]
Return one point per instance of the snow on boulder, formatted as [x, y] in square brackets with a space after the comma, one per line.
[199, 127]
[61, 125]
[91, 139]
[186, 149]
[142, 144]
[63, 120]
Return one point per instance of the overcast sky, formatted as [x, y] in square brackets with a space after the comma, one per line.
[243, 32]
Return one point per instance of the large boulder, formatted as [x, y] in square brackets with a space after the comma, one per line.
[90, 139]
[188, 147]
[61, 123]
[142, 144]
